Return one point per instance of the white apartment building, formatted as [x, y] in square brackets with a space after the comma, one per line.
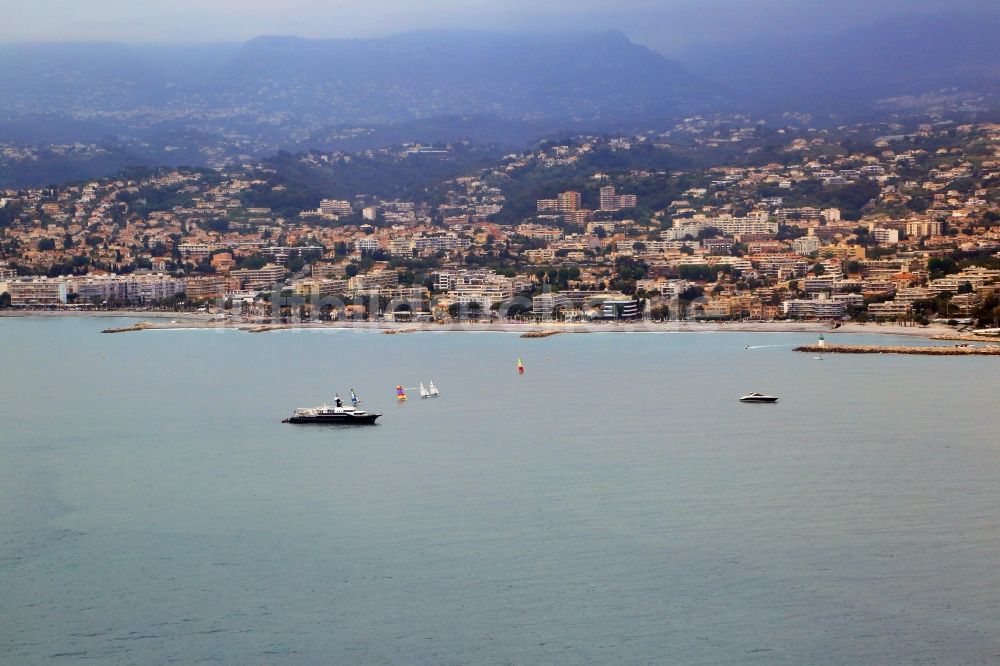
[335, 207]
[814, 308]
[37, 291]
[127, 288]
[923, 228]
[259, 278]
[319, 288]
[889, 309]
[374, 280]
[367, 245]
[806, 245]
[543, 305]
[884, 236]
[483, 287]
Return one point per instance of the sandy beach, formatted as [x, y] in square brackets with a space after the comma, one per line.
[131, 314]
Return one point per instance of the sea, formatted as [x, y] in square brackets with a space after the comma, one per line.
[615, 504]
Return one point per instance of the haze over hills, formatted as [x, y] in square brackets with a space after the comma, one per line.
[854, 70]
[214, 103]
[277, 81]
[285, 90]
[553, 77]
[218, 103]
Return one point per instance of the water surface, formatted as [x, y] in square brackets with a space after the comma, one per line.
[613, 505]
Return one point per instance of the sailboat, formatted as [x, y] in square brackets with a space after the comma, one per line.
[434, 390]
[424, 393]
[400, 393]
[520, 367]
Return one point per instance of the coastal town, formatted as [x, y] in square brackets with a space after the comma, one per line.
[794, 224]
[477, 332]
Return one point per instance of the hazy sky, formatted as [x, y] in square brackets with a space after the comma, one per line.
[666, 25]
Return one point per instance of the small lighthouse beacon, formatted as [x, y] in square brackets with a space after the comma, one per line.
[822, 342]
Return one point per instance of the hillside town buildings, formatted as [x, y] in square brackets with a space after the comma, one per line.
[916, 234]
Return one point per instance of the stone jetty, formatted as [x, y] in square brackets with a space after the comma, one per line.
[986, 350]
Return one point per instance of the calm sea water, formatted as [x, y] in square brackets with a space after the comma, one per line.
[615, 505]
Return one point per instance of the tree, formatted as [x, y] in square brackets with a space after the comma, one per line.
[941, 266]
[8, 214]
[988, 313]
[517, 310]
[218, 224]
[691, 293]
[351, 270]
[46, 244]
[701, 272]
[659, 312]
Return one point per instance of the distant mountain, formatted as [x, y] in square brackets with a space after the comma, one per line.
[217, 103]
[852, 70]
[308, 84]
[211, 104]
[424, 74]
[91, 79]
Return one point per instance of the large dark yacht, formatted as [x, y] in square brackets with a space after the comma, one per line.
[337, 414]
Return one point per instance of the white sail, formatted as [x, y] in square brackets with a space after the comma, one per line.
[434, 390]
[424, 393]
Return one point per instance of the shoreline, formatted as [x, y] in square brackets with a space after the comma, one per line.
[133, 314]
[198, 320]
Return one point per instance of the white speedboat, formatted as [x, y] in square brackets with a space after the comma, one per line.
[758, 397]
